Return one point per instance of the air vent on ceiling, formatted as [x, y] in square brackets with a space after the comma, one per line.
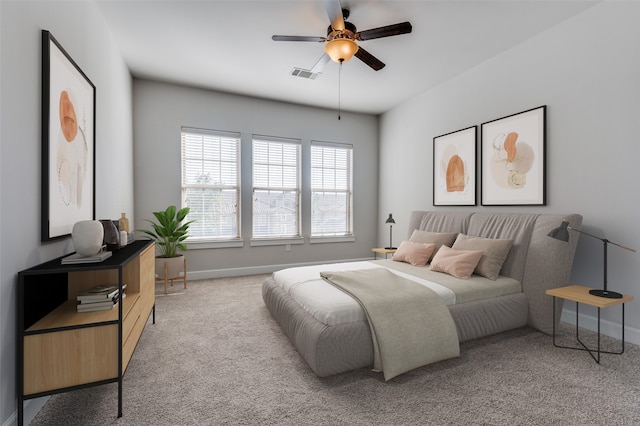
[299, 72]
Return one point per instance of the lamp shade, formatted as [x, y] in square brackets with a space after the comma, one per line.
[561, 232]
[341, 49]
[390, 219]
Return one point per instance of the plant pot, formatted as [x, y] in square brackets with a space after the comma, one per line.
[175, 266]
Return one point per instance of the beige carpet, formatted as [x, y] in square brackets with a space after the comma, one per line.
[216, 357]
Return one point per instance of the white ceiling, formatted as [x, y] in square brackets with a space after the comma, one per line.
[227, 46]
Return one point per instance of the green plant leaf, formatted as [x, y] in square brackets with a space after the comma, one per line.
[168, 232]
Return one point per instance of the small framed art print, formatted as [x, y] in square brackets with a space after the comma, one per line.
[454, 168]
[513, 160]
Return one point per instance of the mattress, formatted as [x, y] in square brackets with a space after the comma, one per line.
[330, 306]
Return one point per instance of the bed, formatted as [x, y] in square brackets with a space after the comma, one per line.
[331, 331]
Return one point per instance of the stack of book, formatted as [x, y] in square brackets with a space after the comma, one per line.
[100, 298]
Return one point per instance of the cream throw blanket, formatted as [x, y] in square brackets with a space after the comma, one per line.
[410, 324]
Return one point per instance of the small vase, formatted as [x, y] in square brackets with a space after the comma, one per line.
[87, 237]
[124, 223]
[111, 235]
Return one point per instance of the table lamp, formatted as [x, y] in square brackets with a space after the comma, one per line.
[562, 233]
[390, 221]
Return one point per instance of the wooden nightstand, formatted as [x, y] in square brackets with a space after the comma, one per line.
[580, 294]
[385, 251]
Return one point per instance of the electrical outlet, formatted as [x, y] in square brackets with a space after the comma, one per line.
[287, 247]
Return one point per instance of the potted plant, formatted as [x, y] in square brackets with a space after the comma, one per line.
[169, 234]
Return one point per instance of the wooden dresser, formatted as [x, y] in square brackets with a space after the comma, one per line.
[60, 349]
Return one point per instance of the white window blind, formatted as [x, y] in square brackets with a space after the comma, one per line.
[331, 189]
[276, 187]
[210, 183]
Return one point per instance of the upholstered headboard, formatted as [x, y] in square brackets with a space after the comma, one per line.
[538, 261]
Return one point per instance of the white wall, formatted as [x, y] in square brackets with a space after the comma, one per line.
[81, 31]
[586, 70]
[161, 109]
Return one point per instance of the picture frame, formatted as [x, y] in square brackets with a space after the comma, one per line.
[513, 160]
[454, 168]
[68, 142]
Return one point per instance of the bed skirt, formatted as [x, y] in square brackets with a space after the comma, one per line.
[330, 350]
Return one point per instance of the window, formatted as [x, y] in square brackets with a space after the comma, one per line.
[210, 183]
[276, 187]
[331, 192]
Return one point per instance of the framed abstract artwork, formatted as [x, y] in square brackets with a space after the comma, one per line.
[68, 142]
[454, 168]
[514, 159]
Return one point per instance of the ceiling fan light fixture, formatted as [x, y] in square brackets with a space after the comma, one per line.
[341, 49]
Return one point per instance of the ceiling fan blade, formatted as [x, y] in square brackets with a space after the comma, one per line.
[334, 11]
[386, 31]
[369, 59]
[297, 38]
[319, 66]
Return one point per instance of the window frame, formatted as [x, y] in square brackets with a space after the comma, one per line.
[213, 241]
[349, 234]
[295, 237]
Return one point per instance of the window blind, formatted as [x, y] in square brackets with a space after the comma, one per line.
[276, 187]
[210, 183]
[331, 189]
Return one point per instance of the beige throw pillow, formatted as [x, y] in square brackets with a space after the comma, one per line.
[459, 263]
[495, 252]
[416, 254]
[437, 238]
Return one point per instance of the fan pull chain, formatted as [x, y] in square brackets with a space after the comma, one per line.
[339, 87]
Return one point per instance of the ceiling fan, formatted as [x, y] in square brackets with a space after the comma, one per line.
[342, 36]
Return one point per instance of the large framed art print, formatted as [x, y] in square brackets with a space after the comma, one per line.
[514, 159]
[454, 168]
[68, 142]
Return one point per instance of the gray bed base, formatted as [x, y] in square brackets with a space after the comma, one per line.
[537, 261]
[335, 349]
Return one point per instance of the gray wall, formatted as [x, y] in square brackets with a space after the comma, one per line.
[161, 109]
[80, 29]
[586, 70]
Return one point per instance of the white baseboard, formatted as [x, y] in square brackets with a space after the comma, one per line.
[608, 328]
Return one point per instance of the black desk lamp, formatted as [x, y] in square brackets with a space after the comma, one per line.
[390, 221]
[562, 233]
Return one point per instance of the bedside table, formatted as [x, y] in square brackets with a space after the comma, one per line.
[382, 250]
[580, 294]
